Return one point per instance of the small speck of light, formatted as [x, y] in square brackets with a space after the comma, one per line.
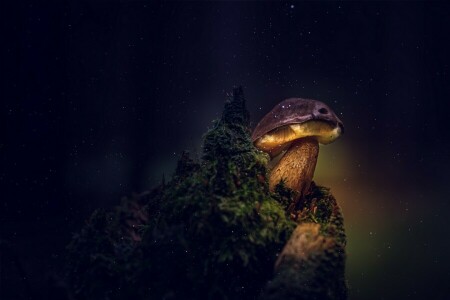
[292, 5]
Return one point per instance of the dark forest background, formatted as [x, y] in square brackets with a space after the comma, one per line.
[99, 99]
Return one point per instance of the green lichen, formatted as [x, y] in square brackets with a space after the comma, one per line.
[212, 231]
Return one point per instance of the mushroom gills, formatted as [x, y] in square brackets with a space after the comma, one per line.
[280, 139]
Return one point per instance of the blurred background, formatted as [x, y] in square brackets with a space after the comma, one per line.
[99, 99]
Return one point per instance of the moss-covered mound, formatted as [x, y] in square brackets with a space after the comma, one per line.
[312, 263]
[214, 231]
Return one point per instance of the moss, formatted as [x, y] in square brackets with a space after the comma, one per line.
[98, 259]
[212, 231]
[318, 271]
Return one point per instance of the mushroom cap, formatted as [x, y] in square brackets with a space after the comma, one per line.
[296, 118]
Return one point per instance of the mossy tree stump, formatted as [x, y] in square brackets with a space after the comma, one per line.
[213, 231]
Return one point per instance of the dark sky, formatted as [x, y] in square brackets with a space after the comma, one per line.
[99, 98]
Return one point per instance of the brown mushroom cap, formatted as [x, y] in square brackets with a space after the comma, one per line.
[296, 118]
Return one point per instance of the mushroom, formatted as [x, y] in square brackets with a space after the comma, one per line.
[293, 130]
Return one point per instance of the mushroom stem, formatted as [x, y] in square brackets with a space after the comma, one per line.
[296, 167]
